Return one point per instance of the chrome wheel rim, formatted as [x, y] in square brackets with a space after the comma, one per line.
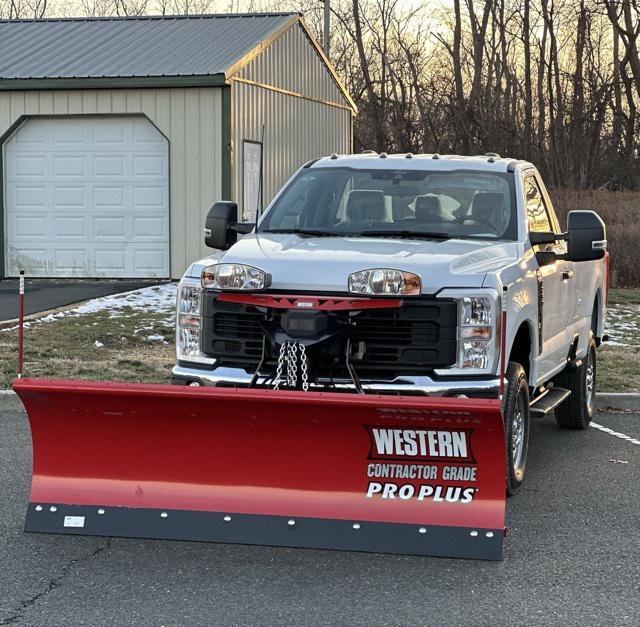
[590, 380]
[517, 433]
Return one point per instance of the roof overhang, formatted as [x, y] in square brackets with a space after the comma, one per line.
[111, 82]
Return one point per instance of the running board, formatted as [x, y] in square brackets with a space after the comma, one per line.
[548, 401]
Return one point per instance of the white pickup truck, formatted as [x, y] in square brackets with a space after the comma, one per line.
[393, 274]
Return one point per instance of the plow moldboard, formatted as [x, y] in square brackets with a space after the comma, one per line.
[286, 468]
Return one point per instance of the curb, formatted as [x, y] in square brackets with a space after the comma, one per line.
[9, 400]
[618, 400]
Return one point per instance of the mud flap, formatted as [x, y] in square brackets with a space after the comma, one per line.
[410, 475]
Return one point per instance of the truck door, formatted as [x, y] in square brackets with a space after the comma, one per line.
[553, 283]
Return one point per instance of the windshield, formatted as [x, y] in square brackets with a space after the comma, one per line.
[404, 203]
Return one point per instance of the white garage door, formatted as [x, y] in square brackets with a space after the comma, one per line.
[87, 197]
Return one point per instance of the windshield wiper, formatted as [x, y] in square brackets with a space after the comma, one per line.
[407, 234]
[306, 232]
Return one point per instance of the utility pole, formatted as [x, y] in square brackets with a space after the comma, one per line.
[326, 27]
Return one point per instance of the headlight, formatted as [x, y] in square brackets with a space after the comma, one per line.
[188, 322]
[384, 282]
[478, 331]
[234, 276]
[476, 310]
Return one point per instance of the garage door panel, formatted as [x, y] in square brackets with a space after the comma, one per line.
[146, 134]
[28, 166]
[32, 257]
[68, 198]
[96, 189]
[70, 260]
[25, 198]
[30, 227]
[150, 198]
[69, 165]
[65, 227]
[149, 261]
[108, 260]
[150, 228]
[110, 132]
[65, 132]
[108, 166]
[105, 227]
[148, 166]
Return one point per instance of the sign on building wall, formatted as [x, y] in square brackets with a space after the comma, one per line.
[252, 163]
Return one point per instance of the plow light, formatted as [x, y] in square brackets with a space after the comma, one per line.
[234, 276]
[382, 282]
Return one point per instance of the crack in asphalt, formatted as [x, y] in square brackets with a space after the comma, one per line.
[55, 582]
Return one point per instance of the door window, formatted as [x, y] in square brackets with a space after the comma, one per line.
[537, 216]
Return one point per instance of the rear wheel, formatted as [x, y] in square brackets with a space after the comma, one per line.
[577, 410]
[516, 425]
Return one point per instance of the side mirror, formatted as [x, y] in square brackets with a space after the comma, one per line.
[221, 227]
[217, 231]
[586, 235]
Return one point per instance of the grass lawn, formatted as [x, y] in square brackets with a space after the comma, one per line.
[131, 338]
[121, 338]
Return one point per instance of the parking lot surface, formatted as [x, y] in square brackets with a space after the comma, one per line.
[572, 557]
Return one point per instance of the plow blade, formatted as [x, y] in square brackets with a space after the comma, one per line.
[410, 475]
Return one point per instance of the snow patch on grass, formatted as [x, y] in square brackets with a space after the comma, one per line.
[623, 325]
[156, 299]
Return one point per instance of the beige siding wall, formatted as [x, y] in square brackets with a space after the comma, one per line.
[191, 120]
[296, 131]
[291, 62]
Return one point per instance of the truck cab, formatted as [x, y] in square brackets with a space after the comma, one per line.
[404, 274]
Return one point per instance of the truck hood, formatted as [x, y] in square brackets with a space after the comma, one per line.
[323, 263]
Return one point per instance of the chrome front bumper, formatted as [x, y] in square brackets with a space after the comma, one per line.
[237, 377]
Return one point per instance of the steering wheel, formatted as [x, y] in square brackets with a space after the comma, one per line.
[479, 221]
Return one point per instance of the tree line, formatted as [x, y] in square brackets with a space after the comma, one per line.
[556, 82]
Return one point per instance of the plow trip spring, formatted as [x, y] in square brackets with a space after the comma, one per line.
[389, 474]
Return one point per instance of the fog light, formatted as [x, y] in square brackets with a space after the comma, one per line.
[189, 342]
[475, 354]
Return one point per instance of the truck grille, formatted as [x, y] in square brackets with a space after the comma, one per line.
[415, 338]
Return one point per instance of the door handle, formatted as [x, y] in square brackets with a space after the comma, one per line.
[567, 274]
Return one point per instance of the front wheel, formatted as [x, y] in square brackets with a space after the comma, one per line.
[515, 411]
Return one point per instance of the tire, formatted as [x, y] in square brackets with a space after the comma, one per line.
[515, 411]
[576, 412]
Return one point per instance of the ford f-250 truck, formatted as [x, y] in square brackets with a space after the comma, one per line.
[456, 244]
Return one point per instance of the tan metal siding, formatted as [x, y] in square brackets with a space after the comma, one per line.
[296, 131]
[190, 118]
[291, 62]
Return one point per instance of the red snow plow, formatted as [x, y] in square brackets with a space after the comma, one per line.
[394, 474]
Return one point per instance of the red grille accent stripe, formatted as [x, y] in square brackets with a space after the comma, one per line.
[310, 302]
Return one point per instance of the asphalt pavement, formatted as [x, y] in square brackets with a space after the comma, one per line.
[45, 294]
[572, 557]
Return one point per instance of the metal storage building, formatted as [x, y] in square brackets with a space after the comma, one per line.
[119, 133]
